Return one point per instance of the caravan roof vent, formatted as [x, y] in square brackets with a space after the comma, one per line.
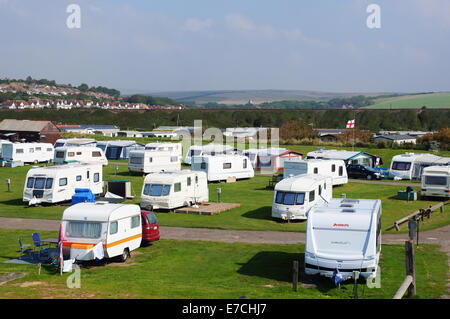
[348, 210]
[346, 205]
[350, 200]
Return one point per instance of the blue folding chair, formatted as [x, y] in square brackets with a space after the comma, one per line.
[24, 248]
[38, 244]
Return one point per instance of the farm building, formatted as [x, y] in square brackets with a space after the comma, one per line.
[30, 131]
[397, 139]
[349, 157]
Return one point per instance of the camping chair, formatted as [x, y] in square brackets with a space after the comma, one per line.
[24, 248]
[38, 244]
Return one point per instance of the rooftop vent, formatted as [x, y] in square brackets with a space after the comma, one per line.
[346, 205]
[348, 210]
[349, 200]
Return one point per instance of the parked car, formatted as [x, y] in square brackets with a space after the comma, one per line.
[360, 171]
[150, 227]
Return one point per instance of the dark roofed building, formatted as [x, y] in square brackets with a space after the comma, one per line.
[30, 131]
[399, 139]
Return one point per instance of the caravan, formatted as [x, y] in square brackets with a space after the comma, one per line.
[411, 165]
[116, 227]
[54, 184]
[119, 149]
[344, 235]
[436, 181]
[74, 154]
[153, 161]
[75, 142]
[222, 167]
[174, 148]
[170, 190]
[27, 152]
[295, 196]
[210, 149]
[333, 168]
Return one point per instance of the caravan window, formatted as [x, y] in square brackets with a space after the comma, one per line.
[177, 187]
[19, 151]
[39, 183]
[289, 198]
[96, 177]
[300, 199]
[78, 178]
[113, 227]
[341, 170]
[203, 165]
[316, 170]
[311, 196]
[30, 182]
[63, 181]
[166, 190]
[320, 189]
[71, 154]
[31, 150]
[136, 160]
[146, 189]
[245, 163]
[226, 165]
[436, 180]
[49, 183]
[49, 150]
[156, 190]
[84, 229]
[150, 159]
[401, 166]
[195, 152]
[188, 181]
[96, 154]
[135, 221]
[173, 158]
[38, 149]
[78, 153]
[59, 154]
[333, 168]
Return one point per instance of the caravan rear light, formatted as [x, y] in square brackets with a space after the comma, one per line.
[447, 191]
[423, 190]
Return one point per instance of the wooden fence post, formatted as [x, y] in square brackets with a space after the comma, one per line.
[295, 275]
[410, 266]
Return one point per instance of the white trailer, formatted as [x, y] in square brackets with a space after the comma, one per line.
[293, 197]
[175, 148]
[411, 165]
[27, 152]
[222, 167]
[54, 184]
[75, 142]
[74, 154]
[116, 227]
[436, 181]
[344, 234]
[153, 161]
[209, 149]
[333, 168]
[168, 190]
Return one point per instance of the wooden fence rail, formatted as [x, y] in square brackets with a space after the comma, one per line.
[404, 287]
[418, 212]
[409, 283]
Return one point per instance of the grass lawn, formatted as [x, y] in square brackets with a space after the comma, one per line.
[434, 100]
[193, 269]
[254, 214]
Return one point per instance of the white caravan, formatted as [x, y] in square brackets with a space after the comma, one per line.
[411, 165]
[74, 154]
[27, 152]
[222, 167]
[293, 197]
[54, 184]
[344, 234]
[175, 148]
[170, 190]
[436, 181]
[333, 168]
[210, 149]
[75, 142]
[116, 227]
[153, 161]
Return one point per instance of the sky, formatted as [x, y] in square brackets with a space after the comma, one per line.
[178, 45]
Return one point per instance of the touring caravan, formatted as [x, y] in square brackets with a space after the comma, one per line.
[119, 149]
[116, 227]
[333, 168]
[175, 148]
[349, 157]
[436, 181]
[168, 190]
[74, 154]
[27, 152]
[54, 184]
[145, 161]
[272, 159]
[222, 167]
[293, 197]
[75, 142]
[343, 234]
[209, 149]
[411, 165]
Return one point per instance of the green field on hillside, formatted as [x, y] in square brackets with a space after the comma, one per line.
[433, 100]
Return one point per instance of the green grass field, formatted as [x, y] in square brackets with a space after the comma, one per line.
[194, 269]
[254, 213]
[433, 100]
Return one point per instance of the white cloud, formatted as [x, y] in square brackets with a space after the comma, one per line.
[239, 22]
[196, 25]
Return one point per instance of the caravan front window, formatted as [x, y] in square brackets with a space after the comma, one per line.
[156, 190]
[401, 166]
[59, 154]
[136, 160]
[39, 183]
[83, 229]
[49, 183]
[436, 180]
[30, 182]
[289, 198]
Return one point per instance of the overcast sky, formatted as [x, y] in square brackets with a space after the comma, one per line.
[175, 45]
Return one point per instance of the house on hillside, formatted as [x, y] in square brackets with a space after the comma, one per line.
[397, 139]
[29, 131]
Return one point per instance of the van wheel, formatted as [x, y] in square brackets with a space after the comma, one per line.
[125, 255]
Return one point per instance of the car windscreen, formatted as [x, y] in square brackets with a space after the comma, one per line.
[151, 219]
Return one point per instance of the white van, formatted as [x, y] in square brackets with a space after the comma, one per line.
[344, 234]
[293, 197]
[116, 226]
[74, 154]
[170, 190]
[222, 167]
[153, 161]
[436, 181]
[334, 168]
[54, 184]
[209, 149]
[411, 165]
[27, 152]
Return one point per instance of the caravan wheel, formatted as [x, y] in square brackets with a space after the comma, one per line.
[125, 255]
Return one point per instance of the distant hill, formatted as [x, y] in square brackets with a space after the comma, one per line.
[412, 101]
